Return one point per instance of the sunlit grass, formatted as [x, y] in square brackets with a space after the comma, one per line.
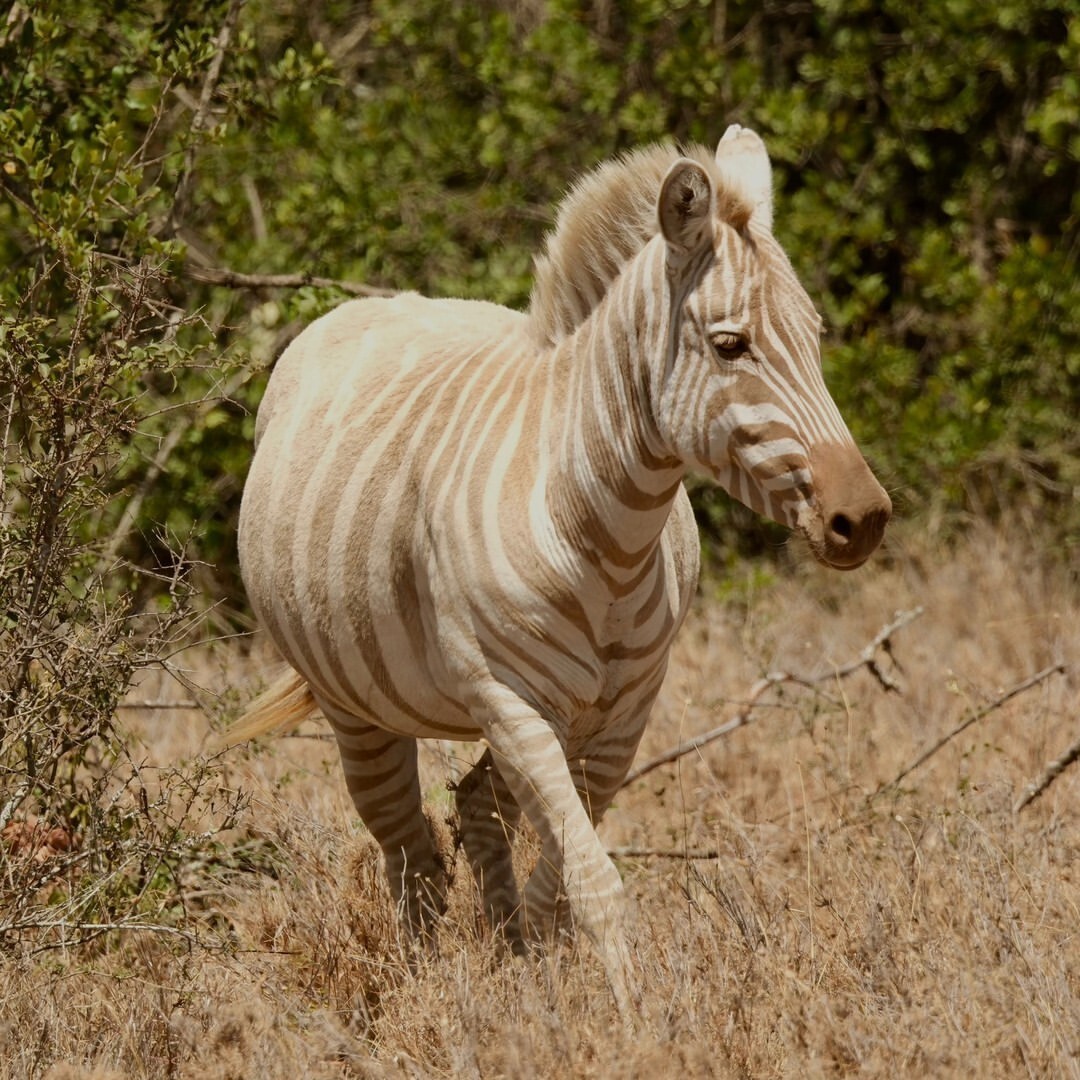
[845, 926]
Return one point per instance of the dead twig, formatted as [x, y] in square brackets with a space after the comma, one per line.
[661, 853]
[216, 275]
[84, 932]
[159, 465]
[739, 720]
[1049, 775]
[977, 715]
[867, 659]
[182, 193]
[141, 705]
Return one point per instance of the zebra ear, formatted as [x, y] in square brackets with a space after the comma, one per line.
[742, 156]
[685, 207]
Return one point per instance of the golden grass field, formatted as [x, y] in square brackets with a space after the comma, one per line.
[825, 923]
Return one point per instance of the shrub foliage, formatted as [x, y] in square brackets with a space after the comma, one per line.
[928, 164]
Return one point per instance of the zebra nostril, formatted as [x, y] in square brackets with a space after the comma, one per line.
[841, 528]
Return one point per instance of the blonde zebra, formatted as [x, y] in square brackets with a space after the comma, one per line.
[464, 522]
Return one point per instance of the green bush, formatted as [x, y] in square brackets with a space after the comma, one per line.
[94, 350]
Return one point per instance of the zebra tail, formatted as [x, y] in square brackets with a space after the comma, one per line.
[284, 705]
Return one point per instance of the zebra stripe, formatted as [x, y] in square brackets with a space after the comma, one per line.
[463, 522]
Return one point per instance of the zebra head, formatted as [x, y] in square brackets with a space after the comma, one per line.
[742, 398]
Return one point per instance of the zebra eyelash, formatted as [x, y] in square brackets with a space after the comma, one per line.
[729, 345]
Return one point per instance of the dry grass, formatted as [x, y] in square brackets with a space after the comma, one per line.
[842, 929]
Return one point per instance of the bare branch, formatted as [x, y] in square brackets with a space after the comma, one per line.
[258, 217]
[198, 122]
[1049, 775]
[129, 518]
[661, 853]
[867, 658]
[13, 802]
[186, 704]
[1000, 700]
[88, 931]
[739, 720]
[236, 280]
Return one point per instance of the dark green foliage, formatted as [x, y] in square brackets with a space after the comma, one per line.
[927, 160]
[927, 163]
[943, 190]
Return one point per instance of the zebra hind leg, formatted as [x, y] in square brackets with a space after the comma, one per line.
[488, 816]
[382, 778]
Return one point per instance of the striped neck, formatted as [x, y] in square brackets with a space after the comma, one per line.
[611, 482]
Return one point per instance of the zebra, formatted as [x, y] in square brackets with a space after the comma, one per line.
[469, 523]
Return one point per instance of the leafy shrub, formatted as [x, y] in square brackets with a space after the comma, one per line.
[927, 164]
[92, 347]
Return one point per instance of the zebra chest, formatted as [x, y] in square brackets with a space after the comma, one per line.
[585, 658]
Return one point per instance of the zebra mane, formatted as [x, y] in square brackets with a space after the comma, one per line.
[608, 216]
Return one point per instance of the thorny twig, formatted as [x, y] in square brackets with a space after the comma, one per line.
[867, 658]
[1049, 775]
[978, 714]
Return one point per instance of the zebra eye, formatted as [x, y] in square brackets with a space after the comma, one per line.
[729, 345]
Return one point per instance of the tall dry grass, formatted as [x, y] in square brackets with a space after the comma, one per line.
[835, 926]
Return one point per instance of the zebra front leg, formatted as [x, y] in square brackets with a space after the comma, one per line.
[381, 775]
[529, 754]
[488, 816]
[598, 768]
[544, 906]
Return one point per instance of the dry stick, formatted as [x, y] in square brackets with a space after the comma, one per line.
[1019, 688]
[1049, 775]
[739, 720]
[216, 275]
[9, 808]
[159, 705]
[661, 853]
[198, 122]
[128, 520]
[867, 658]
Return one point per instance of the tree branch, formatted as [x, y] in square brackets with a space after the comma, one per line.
[236, 280]
[186, 704]
[1000, 700]
[182, 192]
[129, 518]
[1049, 775]
[867, 658]
[662, 853]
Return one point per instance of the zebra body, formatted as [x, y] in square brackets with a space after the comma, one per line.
[393, 592]
[467, 523]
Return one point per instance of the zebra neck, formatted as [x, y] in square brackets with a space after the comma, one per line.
[612, 483]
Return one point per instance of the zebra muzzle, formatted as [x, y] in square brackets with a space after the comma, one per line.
[851, 508]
